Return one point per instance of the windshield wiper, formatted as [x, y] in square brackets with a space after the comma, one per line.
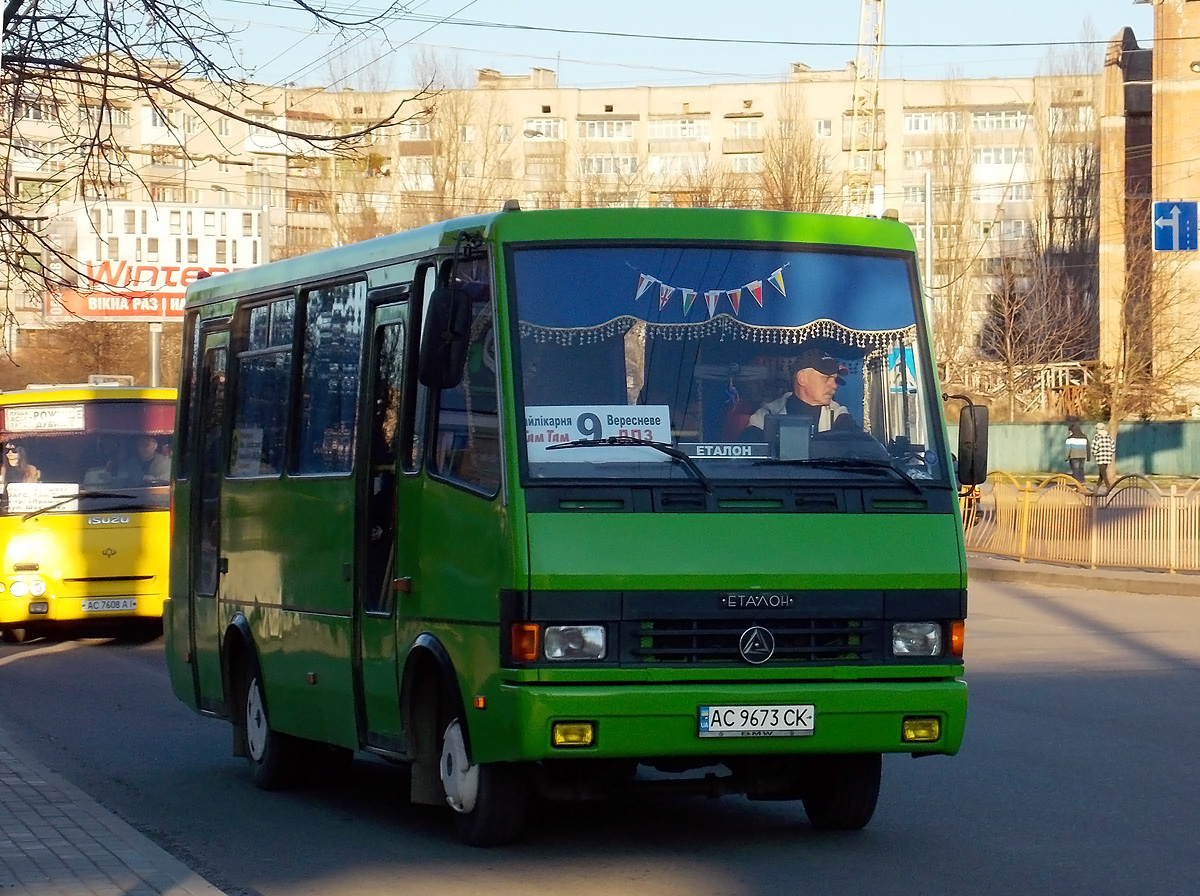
[617, 441]
[67, 499]
[865, 464]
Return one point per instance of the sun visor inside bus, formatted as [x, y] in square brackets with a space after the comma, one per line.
[582, 288]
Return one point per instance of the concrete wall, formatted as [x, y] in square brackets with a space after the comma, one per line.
[1160, 448]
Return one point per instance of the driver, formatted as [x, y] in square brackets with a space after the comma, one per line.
[816, 375]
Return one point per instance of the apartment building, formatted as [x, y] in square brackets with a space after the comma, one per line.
[971, 165]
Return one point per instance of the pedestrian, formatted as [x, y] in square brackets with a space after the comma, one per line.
[1076, 451]
[1103, 451]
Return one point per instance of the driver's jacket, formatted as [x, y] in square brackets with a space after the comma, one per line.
[829, 413]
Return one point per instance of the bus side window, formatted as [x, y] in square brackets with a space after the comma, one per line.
[262, 390]
[333, 338]
[467, 440]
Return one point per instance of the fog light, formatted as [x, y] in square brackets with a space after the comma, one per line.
[573, 734]
[19, 589]
[38, 588]
[916, 639]
[920, 731]
[39, 608]
[575, 642]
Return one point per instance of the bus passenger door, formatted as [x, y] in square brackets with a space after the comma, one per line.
[378, 683]
[208, 447]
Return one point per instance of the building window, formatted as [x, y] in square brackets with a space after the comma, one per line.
[210, 223]
[745, 128]
[606, 130]
[680, 129]
[914, 195]
[414, 130]
[543, 128]
[220, 251]
[746, 164]
[1001, 155]
[161, 118]
[918, 122]
[823, 127]
[998, 120]
[608, 165]
[151, 248]
[247, 224]
[193, 247]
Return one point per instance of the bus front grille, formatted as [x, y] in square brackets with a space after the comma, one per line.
[795, 641]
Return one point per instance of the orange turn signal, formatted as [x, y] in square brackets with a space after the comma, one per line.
[524, 641]
[958, 636]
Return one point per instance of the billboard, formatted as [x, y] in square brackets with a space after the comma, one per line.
[121, 291]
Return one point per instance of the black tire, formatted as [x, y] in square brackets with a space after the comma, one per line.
[842, 790]
[490, 800]
[15, 635]
[275, 759]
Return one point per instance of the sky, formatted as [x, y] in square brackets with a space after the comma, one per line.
[667, 42]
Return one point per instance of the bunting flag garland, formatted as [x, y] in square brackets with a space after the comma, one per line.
[776, 279]
[712, 297]
[756, 291]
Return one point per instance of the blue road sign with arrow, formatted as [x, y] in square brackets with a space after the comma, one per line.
[1174, 226]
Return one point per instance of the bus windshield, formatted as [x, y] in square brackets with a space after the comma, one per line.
[763, 363]
[67, 457]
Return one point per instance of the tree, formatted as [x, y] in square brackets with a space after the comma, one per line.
[796, 175]
[75, 68]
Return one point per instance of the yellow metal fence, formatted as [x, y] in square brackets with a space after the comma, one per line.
[1135, 525]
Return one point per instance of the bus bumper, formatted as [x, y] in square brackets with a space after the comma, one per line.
[643, 722]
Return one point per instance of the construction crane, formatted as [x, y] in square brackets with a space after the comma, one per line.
[864, 111]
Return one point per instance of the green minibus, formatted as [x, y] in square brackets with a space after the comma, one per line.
[564, 503]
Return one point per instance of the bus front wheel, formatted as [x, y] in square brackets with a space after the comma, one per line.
[274, 758]
[489, 798]
[842, 790]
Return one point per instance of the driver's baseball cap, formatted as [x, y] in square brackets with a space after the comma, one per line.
[822, 361]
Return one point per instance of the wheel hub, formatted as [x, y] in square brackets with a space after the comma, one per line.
[460, 779]
[256, 722]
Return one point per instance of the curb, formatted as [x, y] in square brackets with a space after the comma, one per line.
[987, 568]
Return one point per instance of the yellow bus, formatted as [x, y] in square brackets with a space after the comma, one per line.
[84, 507]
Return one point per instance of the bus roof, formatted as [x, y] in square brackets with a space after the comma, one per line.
[564, 224]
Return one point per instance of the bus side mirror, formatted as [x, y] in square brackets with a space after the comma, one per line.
[444, 338]
[973, 445]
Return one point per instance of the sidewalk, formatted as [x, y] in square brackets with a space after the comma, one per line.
[55, 839]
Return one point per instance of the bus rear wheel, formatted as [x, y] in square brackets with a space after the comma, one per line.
[489, 798]
[842, 790]
[274, 757]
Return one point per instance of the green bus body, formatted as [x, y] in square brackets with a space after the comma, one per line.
[362, 641]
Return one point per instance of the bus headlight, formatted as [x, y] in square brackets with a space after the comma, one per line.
[916, 639]
[575, 642]
[19, 589]
[38, 588]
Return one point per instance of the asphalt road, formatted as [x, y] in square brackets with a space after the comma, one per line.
[1077, 775]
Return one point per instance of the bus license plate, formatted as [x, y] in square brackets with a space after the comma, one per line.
[795, 719]
[109, 604]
